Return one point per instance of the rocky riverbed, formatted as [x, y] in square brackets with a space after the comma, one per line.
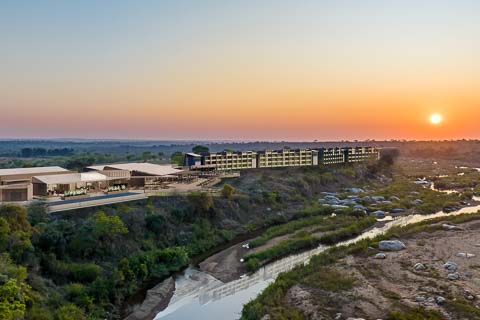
[437, 271]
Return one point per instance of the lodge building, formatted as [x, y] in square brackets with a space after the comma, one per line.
[230, 160]
[23, 184]
[287, 158]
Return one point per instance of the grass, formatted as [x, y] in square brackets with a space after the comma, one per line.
[415, 314]
[306, 241]
[330, 279]
[318, 216]
[463, 309]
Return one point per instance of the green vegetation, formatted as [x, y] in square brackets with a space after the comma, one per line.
[303, 241]
[76, 269]
[465, 180]
[177, 158]
[415, 314]
[228, 190]
[317, 218]
[463, 309]
[200, 149]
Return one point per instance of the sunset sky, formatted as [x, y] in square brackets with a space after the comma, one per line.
[242, 70]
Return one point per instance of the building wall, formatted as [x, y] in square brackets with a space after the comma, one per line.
[287, 158]
[16, 193]
[231, 160]
[328, 156]
[360, 154]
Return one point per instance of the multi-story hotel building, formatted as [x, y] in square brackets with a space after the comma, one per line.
[360, 154]
[230, 160]
[287, 158]
[328, 156]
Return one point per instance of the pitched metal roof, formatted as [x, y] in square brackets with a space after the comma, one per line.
[145, 167]
[70, 178]
[33, 171]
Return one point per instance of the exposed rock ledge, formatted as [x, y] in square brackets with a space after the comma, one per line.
[155, 301]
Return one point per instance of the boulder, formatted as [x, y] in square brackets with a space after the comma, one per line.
[380, 256]
[398, 210]
[391, 245]
[355, 190]
[337, 206]
[378, 198]
[465, 255]
[447, 226]
[440, 300]
[379, 214]
[353, 197]
[419, 267]
[332, 202]
[394, 198]
[359, 207]
[348, 202]
[417, 202]
[453, 276]
[450, 266]
[367, 199]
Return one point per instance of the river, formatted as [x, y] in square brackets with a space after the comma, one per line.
[200, 296]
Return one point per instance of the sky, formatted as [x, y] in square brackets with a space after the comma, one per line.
[240, 70]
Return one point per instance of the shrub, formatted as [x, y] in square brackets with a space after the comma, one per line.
[70, 312]
[252, 264]
[227, 191]
[201, 201]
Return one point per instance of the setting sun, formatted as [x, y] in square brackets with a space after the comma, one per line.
[436, 118]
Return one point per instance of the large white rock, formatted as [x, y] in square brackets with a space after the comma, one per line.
[391, 245]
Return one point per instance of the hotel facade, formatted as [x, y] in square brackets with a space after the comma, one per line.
[287, 158]
[230, 160]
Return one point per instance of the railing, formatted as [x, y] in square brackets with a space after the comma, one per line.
[95, 202]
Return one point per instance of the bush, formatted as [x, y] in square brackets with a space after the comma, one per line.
[252, 264]
[86, 272]
[155, 223]
[228, 191]
[70, 312]
[37, 213]
[415, 314]
[201, 201]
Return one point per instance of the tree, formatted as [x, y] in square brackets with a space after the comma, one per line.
[389, 155]
[98, 235]
[16, 217]
[147, 155]
[106, 227]
[200, 149]
[12, 300]
[201, 201]
[70, 312]
[37, 213]
[228, 190]
[4, 233]
[177, 158]
[155, 223]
